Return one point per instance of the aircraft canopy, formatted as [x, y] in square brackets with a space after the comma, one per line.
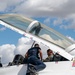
[36, 28]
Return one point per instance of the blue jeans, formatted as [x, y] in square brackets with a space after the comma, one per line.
[39, 65]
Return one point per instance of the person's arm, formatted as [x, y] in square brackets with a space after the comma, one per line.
[26, 55]
[40, 54]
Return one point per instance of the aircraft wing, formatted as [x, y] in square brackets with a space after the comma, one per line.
[38, 32]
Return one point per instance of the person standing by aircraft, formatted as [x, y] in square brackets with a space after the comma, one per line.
[34, 59]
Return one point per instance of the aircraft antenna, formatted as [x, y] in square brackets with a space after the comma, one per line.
[32, 44]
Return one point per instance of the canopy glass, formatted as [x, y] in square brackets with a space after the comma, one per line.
[37, 29]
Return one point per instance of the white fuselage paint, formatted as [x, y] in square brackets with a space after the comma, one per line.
[52, 68]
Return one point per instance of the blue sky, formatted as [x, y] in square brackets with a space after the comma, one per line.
[57, 14]
[8, 36]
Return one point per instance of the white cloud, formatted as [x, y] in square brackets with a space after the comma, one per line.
[24, 40]
[71, 38]
[40, 7]
[6, 5]
[55, 22]
[47, 21]
[54, 8]
[7, 53]
[65, 23]
[23, 45]
[58, 21]
[71, 19]
[2, 29]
